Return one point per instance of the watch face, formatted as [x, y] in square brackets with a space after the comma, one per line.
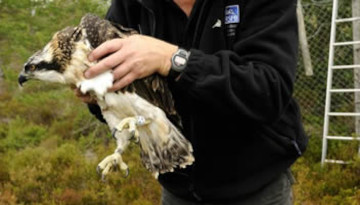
[179, 60]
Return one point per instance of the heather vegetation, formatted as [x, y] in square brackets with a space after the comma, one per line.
[50, 144]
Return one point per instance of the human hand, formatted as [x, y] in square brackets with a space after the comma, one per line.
[86, 98]
[131, 58]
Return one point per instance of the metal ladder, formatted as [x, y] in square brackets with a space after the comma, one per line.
[330, 90]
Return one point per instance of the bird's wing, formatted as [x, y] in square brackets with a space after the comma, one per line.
[100, 30]
[155, 90]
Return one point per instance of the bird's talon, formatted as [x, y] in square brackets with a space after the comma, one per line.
[113, 132]
[103, 178]
[127, 172]
[98, 170]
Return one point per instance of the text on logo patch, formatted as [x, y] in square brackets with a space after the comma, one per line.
[232, 14]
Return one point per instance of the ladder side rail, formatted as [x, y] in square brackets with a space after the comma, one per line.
[329, 80]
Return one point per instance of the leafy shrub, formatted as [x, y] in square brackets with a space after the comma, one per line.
[20, 134]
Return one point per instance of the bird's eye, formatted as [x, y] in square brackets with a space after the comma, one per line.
[32, 67]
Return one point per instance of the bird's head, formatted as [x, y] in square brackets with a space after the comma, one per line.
[50, 63]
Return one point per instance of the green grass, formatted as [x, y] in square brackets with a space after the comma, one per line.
[50, 144]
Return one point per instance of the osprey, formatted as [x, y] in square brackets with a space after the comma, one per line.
[142, 110]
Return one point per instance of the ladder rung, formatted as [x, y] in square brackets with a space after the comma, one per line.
[345, 66]
[347, 19]
[342, 138]
[346, 43]
[344, 114]
[344, 90]
[336, 161]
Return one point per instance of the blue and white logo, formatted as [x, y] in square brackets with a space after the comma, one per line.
[232, 14]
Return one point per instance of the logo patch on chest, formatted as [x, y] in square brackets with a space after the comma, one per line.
[232, 14]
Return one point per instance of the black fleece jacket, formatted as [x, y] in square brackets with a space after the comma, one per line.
[235, 95]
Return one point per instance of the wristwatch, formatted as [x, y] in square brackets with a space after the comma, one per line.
[178, 63]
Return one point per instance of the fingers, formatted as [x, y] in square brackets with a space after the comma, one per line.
[122, 82]
[77, 92]
[105, 48]
[121, 70]
[86, 98]
[124, 74]
[111, 61]
[105, 64]
[131, 58]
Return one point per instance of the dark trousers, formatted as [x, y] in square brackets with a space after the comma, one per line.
[279, 192]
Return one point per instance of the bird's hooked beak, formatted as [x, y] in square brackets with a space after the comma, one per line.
[22, 79]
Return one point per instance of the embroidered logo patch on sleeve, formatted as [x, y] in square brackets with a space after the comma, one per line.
[232, 14]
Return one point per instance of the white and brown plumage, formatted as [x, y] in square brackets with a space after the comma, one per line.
[141, 110]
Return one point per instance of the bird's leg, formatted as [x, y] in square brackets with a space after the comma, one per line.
[115, 161]
[131, 123]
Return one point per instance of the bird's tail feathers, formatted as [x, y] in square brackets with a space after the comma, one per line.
[175, 152]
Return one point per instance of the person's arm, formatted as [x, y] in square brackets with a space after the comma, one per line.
[255, 79]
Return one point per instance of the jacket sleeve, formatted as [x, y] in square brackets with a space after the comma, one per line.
[255, 78]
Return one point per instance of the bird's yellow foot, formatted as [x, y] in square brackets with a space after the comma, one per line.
[131, 123]
[112, 163]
